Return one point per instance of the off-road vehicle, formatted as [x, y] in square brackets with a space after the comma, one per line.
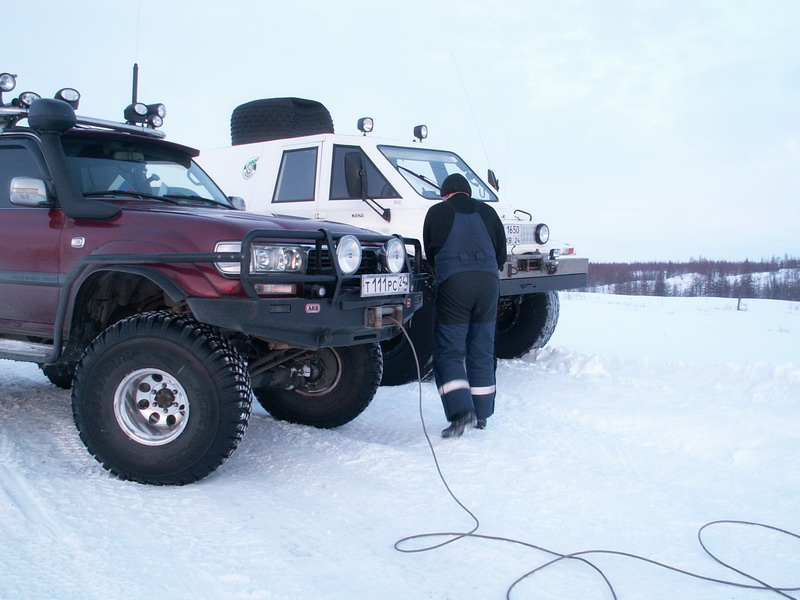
[285, 157]
[129, 276]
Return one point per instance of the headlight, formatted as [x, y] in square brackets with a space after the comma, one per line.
[542, 233]
[278, 259]
[265, 258]
[394, 255]
[348, 254]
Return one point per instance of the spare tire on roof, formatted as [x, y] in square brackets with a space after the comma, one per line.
[277, 118]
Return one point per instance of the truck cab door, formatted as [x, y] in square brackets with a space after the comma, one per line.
[30, 233]
[359, 193]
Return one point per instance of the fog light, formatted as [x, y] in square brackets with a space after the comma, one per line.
[276, 289]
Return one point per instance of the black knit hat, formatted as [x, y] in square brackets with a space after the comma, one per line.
[455, 183]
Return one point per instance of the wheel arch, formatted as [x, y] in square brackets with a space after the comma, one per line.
[110, 294]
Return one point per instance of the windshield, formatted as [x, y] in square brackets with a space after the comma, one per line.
[425, 170]
[133, 169]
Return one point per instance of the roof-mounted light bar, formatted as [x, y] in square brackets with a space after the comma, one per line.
[149, 115]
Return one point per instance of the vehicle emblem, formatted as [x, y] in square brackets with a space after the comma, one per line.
[250, 168]
[313, 308]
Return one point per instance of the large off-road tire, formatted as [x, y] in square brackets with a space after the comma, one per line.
[278, 118]
[60, 374]
[341, 384]
[399, 366]
[159, 398]
[525, 325]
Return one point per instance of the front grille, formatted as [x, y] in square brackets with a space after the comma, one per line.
[369, 262]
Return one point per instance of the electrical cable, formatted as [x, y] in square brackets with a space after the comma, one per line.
[579, 556]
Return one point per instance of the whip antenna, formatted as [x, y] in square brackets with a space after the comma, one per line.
[471, 110]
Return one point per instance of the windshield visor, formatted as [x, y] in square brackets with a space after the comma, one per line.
[425, 170]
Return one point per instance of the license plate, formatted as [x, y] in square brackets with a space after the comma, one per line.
[384, 285]
[516, 234]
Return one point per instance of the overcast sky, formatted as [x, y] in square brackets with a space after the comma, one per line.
[637, 129]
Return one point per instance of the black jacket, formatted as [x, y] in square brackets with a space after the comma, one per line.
[439, 220]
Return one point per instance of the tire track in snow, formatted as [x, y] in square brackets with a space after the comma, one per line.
[43, 529]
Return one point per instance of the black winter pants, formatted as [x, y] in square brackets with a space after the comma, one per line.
[463, 355]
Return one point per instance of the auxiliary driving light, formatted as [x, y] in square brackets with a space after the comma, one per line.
[156, 114]
[542, 233]
[136, 113]
[421, 132]
[25, 99]
[348, 254]
[394, 255]
[69, 95]
[365, 125]
[7, 82]
[146, 114]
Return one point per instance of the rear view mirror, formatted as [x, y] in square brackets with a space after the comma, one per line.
[238, 202]
[493, 180]
[353, 174]
[27, 191]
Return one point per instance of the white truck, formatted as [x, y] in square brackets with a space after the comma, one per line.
[286, 159]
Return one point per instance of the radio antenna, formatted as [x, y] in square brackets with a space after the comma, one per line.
[471, 110]
[135, 83]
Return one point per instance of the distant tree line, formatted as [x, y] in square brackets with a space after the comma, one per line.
[777, 278]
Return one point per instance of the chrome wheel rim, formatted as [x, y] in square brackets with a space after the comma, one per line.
[151, 407]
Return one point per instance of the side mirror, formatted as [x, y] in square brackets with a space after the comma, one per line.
[27, 191]
[238, 202]
[494, 181]
[353, 172]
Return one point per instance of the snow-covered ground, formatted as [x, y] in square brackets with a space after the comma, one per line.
[643, 419]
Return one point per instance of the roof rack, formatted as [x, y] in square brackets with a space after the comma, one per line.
[10, 116]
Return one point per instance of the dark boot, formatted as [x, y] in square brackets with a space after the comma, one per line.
[480, 424]
[457, 425]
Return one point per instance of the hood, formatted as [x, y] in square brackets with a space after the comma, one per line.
[236, 220]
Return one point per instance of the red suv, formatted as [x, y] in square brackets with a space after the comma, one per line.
[128, 276]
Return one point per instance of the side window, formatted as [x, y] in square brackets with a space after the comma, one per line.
[346, 182]
[17, 159]
[297, 177]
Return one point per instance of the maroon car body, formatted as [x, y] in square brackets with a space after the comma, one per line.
[126, 274]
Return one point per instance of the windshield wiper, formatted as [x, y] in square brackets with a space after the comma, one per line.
[418, 176]
[129, 194]
[195, 198]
